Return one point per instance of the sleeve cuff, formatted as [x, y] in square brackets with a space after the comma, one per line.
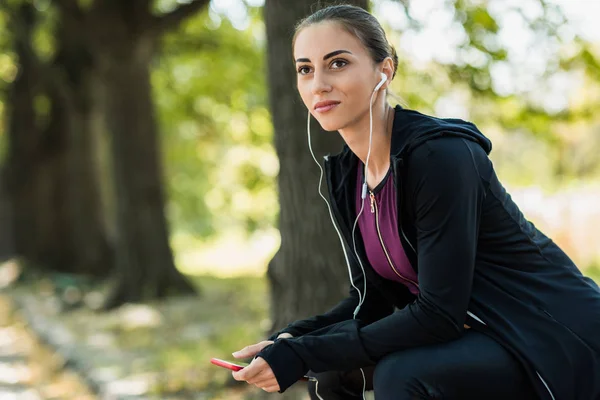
[287, 366]
[288, 329]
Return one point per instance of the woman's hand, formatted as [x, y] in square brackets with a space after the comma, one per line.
[259, 374]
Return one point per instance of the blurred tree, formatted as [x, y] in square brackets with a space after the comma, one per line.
[23, 133]
[73, 130]
[7, 248]
[100, 71]
[51, 169]
[308, 273]
[124, 35]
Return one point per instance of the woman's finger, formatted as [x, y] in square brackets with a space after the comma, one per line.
[246, 352]
[252, 350]
[271, 389]
[264, 375]
[266, 383]
[251, 371]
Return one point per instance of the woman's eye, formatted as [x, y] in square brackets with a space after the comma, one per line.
[337, 64]
[303, 70]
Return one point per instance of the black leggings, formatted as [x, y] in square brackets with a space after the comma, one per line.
[472, 367]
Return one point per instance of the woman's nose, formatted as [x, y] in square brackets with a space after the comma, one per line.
[320, 84]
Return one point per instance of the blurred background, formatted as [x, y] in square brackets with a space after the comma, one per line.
[155, 201]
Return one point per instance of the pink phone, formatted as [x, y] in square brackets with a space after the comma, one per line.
[236, 367]
[227, 364]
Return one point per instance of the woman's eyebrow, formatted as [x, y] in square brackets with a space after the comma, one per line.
[326, 56]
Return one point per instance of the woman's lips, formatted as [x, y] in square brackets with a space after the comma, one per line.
[326, 108]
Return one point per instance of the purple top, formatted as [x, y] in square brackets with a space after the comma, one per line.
[384, 209]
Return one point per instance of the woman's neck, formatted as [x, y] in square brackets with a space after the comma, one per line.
[356, 137]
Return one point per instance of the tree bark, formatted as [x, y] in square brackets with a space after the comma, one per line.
[308, 274]
[75, 94]
[25, 186]
[7, 244]
[51, 170]
[145, 266]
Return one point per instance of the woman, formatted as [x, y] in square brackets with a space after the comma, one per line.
[487, 307]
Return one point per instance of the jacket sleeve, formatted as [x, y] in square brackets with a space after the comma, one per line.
[448, 194]
[373, 308]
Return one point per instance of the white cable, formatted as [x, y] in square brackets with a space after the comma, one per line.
[330, 212]
[364, 384]
[362, 206]
[317, 388]
[361, 297]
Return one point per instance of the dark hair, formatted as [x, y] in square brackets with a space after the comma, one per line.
[359, 23]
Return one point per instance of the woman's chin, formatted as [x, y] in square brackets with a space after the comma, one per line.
[329, 125]
[327, 129]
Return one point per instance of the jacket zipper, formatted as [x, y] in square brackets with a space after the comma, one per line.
[375, 209]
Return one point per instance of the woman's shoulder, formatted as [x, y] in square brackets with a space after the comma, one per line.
[449, 157]
[446, 149]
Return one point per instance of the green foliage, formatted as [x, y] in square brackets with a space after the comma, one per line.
[211, 96]
[43, 45]
[593, 271]
[524, 119]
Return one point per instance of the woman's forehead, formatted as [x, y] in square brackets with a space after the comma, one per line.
[317, 40]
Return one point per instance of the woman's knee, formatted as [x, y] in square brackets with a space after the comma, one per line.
[402, 379]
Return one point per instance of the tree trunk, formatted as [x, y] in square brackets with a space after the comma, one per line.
[76, 96]
[308, 274]
[51, 170]
[7, 245]
[145, 266]
[24, 184]
[53, 177]
[54, 250]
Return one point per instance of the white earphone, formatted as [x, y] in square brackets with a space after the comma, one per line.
[379, 85]
[361, 296]
[381, 82]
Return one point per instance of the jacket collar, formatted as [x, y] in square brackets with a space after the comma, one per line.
[344, 164]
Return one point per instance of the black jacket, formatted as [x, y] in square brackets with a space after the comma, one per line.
[478, 260]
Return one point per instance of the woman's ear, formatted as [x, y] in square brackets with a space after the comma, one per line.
[388, 69]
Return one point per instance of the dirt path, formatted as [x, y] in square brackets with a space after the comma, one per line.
[28, 369]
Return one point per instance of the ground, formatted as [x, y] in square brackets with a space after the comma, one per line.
[149, 351]
[29, 370]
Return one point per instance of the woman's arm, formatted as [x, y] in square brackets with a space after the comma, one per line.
[375, 307]
[448, 193]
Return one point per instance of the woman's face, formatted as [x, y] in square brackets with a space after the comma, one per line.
[335, 74]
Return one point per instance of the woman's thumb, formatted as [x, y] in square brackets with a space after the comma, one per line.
[250, 351]
[243, 353]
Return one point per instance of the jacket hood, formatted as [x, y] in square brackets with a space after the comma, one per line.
[411, 129]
